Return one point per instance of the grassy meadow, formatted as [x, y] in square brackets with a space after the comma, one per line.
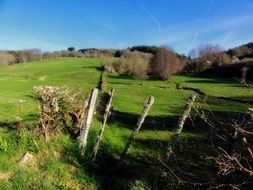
[58, 164]
[17, 81]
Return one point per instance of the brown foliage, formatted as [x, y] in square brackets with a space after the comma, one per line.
[131, 63]
[6, 58]
[164, 63]
[231, 140]
[205, 57]
[214, 54]
[28, 55]
[241, 51]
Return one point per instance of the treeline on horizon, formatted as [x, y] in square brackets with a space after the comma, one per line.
[208, 58]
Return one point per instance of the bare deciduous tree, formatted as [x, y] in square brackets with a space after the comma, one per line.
[164, 63]
[6, 58]
[207, 50]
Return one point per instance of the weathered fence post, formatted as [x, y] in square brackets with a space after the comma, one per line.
[174, 137]
[20, 121]
[135, 131]
[20, 108]
[85, 131]
[100, 134]
[185, 114]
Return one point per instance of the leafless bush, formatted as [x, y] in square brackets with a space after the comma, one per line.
[231, 141]
[27, 55]
[205, 57]
[132, 63]
[197, 66]
[164, 63]
[55, 105]
[6, 58]
[244, 71]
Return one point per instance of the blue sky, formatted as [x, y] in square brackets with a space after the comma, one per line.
[182, 24]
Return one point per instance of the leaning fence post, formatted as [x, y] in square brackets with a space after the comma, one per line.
[85, 131]
[20, 121]
[135, 131]
[174, 137]
[100, 134]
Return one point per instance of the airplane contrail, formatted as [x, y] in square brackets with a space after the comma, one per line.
[208, 9]
[150, 14]
[194, 39]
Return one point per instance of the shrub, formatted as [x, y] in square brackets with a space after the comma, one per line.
[6, 58]
[56, 104]
[164, 63]
[134, 64]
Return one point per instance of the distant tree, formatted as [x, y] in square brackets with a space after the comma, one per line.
[20, 57]
[51, 55]
[71, 49]
[192, 54]
[139, 64]
[208, 50]
[100, 53]
[66, 53]
[118, 53]
[164, 63]
[140, 71]
[220, 59]
[6, 58]
[28, 55]
[241, 51]
[34, 54]
[131, 63]
[144, 49]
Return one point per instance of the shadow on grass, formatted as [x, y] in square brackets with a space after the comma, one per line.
[213, 81]
[142, 164]
[8, 125]
[100, 69]
[156, 123]
[189, 165]
[102, 171]
[120, 76]
[129, 120]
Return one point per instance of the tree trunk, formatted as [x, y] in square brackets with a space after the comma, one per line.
[100, 134]
[85, 131]
[135, 131]
[174, 137]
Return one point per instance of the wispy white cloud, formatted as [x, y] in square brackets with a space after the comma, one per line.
[227, 37]
[187, 35]
[194, 39]
[202, 20]
[150, 15]
[102, 24]
[209, 8]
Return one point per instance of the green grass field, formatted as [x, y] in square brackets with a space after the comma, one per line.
[17, 81]
[58, 164]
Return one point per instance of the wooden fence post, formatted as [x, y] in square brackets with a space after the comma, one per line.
[20, 120]
[174, 137]
[135, 131]
[100, 134]
[87, 124]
